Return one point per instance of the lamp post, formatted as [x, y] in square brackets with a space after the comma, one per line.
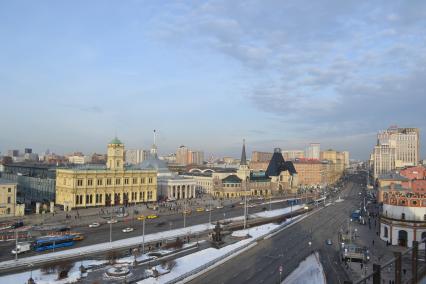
[143, 235]
[110, 228]
[16, 244]
[210, 214]
[184, 214]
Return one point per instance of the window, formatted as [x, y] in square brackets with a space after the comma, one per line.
[150, 180]
[108, 181]
[117, 181]
[100, 198]
[64, 181]
[403, 216]
[126, 181]
[89, 182]
[135, 181]
[118, 163]
[99, 181]
[9, 190]
[142, 180]
[424, 217]
[79, 182]
[87, 198]
[149, 194]
[9, 199]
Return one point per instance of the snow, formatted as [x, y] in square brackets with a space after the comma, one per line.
[42, 278]
[193, 261]
[277, 212]
[309, 271]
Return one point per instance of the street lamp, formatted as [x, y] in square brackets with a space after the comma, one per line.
[143, 235]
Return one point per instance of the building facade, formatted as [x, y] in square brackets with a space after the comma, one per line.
[291, 155]
[135, 156]
[8, 202]
[403, 218]
[383, 158]
[257, 156]
[115, 184]
[313, 151]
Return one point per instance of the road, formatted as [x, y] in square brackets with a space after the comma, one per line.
[261, 263]
[163, 223]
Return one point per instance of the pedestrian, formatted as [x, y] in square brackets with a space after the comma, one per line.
[373, 243]
[404, 271]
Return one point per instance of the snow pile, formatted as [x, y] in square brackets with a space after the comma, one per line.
[277, 212]
[193, 261]
[309, 271]
[256, 231]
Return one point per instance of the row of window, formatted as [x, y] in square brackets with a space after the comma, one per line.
[117, 181]
[117, 197]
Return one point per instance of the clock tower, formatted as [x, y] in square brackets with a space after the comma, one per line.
[115, 155]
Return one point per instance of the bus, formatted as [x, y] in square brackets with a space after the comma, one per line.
[48, 243]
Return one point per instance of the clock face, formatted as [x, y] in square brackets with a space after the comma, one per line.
[117, 152]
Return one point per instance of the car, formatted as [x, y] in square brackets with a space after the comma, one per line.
[219, 207]
[186, 212]
[141, 217]
[122, 215]
[128, 230]
[209, 209]
[200, 209]
[94, 225]
[152, 216]
[329, 242]
[251, 205]
[112, 221]
[241, 203]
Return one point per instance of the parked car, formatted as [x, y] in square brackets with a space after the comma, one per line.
[219, 207]
[200, 209]
[128, 230]
[112, 221]
[329, 242]
[152, 216]
[94, 225]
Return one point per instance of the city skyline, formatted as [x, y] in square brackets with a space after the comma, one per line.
[75, 75]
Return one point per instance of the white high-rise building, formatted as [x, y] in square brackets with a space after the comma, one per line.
[136, 156]
[396, 148]
[406, 141]
[313, 151]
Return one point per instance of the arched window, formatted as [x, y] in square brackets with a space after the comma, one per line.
[386, 232]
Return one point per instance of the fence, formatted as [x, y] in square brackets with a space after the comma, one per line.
[406, 267]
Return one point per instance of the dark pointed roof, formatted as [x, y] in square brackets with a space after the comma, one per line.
[278, 165]
[243, 160]
[232, 179]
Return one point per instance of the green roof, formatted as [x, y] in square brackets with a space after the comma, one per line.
[115, 141]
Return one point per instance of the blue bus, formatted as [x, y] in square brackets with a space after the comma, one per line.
[48, 243]
[293, 201]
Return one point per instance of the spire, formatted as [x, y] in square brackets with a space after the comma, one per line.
[154, 146]
[243, 161]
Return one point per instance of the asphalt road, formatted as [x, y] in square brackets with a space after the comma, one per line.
[261, 263]
[163, 223]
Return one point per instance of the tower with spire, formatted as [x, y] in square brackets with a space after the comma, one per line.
[243, 171]
[154, 146]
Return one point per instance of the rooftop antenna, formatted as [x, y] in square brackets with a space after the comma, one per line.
[155, 137]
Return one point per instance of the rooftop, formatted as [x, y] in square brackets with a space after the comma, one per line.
[6, 181]
[116, 141]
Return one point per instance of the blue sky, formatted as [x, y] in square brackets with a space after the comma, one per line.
[207, 74]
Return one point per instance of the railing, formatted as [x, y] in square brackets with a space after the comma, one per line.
[405, 267]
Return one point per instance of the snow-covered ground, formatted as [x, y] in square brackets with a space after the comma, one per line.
[193, 261]
[309, 271]
[277, 212]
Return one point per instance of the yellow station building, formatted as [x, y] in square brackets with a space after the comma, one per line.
[105, 185]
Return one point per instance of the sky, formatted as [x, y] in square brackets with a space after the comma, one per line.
[206, 74]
